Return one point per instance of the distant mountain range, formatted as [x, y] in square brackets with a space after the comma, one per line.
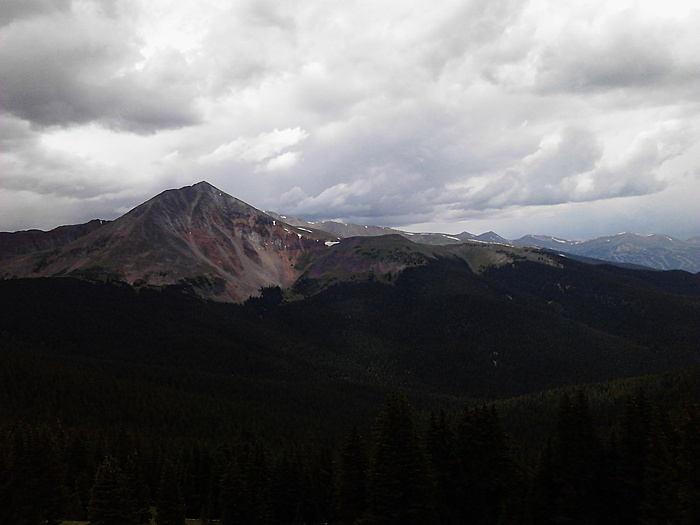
[474, 316]
[222, 248]
[656, 251]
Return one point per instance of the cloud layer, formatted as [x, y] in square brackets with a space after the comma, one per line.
[409, 114]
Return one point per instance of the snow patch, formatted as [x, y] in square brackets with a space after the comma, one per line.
[304, 229]
[332, 243]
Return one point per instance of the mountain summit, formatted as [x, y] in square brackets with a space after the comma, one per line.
[196, 235]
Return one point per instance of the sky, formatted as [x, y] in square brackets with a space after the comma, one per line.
[575, 119]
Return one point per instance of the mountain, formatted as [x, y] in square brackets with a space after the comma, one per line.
[384, 258]
[653, 251]
[343, 230]
[491, 237]
[221, 248]
[13, 244]
[196, 236]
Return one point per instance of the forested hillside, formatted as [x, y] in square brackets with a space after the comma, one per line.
[367, 402]
[80, 439]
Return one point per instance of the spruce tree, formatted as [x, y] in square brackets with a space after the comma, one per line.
[33, 479]
[138, 491]
[236, 501]
[576, 456]
[689, 464]
[398, 484]
[109, 498]
[351, 481]
[440, 446]
[170, 507]
[486, 468]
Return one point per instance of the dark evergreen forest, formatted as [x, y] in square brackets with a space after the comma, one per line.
[120, 406]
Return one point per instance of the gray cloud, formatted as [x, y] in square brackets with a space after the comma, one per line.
[68, 69]
[13, 10]
[31, 167]
[392, 113]
[625, 52]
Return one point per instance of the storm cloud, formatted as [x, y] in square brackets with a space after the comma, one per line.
[412, 114]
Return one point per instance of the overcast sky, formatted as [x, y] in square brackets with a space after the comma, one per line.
[575, 119]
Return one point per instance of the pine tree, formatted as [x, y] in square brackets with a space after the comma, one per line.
[33, 481]
[440, 446]
[486, 468]
[236, 500]
[170, 507]
[351, 481]
[285, 490]
[138, 491]
[576, 456]
[109, 498]
[398, 483]
[633, 450]
[689, 464]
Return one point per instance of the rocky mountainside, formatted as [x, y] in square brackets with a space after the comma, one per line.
[195, 236]
[344, 230]
[225, 249]
[13, 244]
[654, 251]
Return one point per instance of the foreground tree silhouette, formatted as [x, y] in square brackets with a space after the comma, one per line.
[109, 498]
[351, 482]
[570, 469]
[170, 508]
[486, 470]
[398, 484]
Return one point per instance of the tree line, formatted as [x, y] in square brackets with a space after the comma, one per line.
[447, 468]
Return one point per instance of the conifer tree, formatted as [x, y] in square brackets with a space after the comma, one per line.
[170, 507]
[138, 491]
[398, 484]
[351, 481]
[633, 456]
[486, 468]
[109, 497]
[285, 489]
[440, 446]
[689, 464]
[236, 500]
[576, 456]
[33, 479]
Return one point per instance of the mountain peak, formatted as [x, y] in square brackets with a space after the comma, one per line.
[195, 235]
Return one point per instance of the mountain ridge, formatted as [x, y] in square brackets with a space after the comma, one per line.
[200, 238]
[196, 236]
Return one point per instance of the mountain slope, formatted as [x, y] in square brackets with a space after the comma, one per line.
[384, 258]
[653, 251]
[196, 236]
[13, 244]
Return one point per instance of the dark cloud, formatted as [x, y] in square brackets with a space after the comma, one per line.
[31, 167]
[392, 113]
[626, 52]
[13, 10]
[63, 69]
